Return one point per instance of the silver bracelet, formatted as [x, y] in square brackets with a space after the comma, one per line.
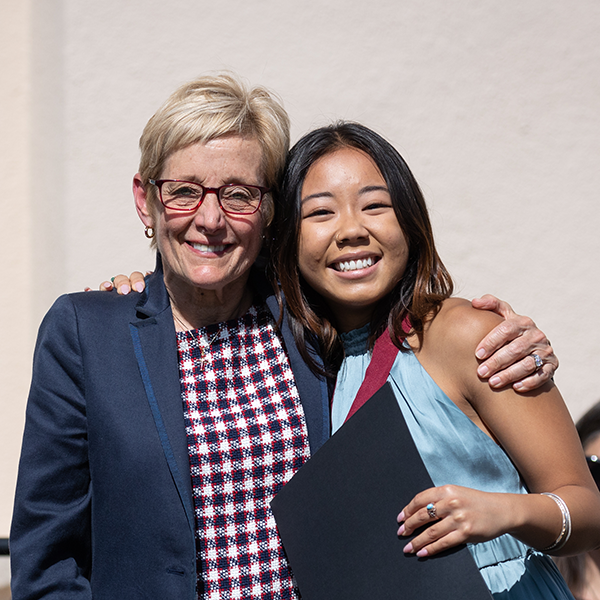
[565, 532]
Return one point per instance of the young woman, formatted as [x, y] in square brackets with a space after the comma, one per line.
[356, 260]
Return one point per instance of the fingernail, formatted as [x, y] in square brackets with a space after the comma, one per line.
[107, 285]
[494, 381]
[482, 371]
[400, 517]
[408, 548]
[139, 286]
[401, 530]
[518, 386]
[422, 553]
[124, 289]
[480, 353]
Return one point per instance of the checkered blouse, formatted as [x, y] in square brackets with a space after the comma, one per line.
[246, 437]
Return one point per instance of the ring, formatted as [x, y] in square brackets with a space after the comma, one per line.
[112, 279]
[539, 363]
[431, 511]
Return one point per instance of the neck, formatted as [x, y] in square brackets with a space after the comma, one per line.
[347, 319]
[195, 307]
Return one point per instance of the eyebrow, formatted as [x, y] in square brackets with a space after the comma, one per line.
[317, 195]
[373, 188]
[364, 190]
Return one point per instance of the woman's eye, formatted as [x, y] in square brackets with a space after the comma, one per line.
[238, 193]
[317, 212]
[185, 191]
[378, 204]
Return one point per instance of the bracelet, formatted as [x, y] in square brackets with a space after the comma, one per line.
[565, 532]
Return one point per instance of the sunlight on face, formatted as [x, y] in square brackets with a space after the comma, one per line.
[208, 248]
[352, 250]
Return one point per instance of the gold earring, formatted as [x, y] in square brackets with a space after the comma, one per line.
[149, 232]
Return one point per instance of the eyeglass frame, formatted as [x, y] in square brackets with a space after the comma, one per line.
[205, 190]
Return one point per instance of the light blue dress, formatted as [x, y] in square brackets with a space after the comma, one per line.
[455, 451]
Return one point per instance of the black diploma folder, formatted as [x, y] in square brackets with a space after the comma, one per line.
[337, 517]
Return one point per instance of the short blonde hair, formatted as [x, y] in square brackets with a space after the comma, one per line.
[214, 106]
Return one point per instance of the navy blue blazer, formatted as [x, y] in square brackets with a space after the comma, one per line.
[104, 506]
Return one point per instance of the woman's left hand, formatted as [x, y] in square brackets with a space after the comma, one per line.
[508, 350]
[455, 515]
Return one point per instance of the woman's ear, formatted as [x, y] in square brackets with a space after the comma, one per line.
[142, 204]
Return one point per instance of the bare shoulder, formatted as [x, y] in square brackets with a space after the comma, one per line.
[447, 349]
[447, 352]
[459, 327]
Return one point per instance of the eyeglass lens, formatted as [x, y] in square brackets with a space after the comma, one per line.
[233, 198]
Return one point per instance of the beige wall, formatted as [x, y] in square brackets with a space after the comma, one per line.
[495, 105]
[17, 323]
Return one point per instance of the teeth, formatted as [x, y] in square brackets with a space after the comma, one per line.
[205, 248]
[354, 265]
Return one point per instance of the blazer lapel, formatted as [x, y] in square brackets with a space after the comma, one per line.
[155, 347]
[311, 389]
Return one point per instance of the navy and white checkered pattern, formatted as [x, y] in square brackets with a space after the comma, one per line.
[246, 436]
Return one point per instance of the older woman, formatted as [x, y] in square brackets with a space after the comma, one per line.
[160, 426]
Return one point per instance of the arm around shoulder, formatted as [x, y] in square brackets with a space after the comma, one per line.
[509, 350]
[535, 429]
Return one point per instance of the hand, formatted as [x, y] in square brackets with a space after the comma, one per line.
[508, 348]
[461, 515]
[124, 284]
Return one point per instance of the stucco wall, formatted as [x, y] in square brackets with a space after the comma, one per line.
[17, 327]
[493, 104]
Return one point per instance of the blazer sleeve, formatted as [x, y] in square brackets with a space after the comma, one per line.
[50, 536]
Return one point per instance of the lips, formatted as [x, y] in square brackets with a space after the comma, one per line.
[354, 265]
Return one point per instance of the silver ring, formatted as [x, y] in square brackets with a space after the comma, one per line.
[431, 511]
[539, 363]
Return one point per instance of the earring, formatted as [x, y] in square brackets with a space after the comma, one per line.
[149, 232]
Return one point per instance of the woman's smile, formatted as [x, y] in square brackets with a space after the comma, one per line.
[206, 248]
[352, 250]
[357, 265]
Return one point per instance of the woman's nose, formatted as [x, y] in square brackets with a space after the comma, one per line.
[351, 229]
[209, 214]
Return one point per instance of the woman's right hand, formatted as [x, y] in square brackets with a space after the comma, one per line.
[459, 515]
[124, 284]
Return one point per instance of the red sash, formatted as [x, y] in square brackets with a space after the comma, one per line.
[384, 355]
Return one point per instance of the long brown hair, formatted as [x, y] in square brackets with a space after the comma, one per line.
[425, 283]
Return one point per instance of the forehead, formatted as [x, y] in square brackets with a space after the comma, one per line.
[342, 168]
[224, 157]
